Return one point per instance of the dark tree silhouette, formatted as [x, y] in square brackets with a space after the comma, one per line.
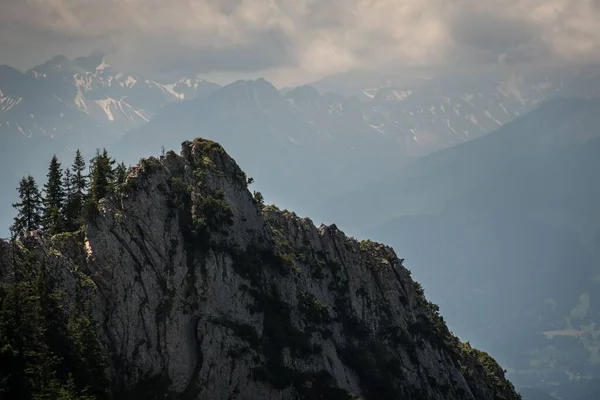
[101, 176]
[54, 198]
[29, 207]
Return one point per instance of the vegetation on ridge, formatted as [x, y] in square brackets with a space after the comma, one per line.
[48, 348]
[69, 197]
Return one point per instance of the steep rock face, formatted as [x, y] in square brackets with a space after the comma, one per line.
[201, 292]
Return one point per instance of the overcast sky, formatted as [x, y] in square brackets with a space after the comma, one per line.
[292, 41]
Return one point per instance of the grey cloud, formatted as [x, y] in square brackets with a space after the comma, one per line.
[165, 55]
[483, 37]
[315, 37]
[493, 32]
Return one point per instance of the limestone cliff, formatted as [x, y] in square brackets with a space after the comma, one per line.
[202, 292]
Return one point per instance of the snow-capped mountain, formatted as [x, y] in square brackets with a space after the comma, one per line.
[355, 127]
[300, 146]
[431, 114]
[62, 98]
[352, 140]
[88, 100]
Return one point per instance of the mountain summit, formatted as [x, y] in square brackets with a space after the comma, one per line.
[197, 290]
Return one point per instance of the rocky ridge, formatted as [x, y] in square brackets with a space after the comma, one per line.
[201, 291]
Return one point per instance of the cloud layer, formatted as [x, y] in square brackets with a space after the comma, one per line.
[302, 37]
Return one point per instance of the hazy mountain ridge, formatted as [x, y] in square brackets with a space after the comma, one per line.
[428, 114]
[64, 97]
[433, 180]
[514, 218]
[531, 241]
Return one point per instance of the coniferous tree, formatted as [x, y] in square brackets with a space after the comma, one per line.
[120, 174]
[79, 181]
[101, 175]
[68, 185]
[72, 209]
[78, 193]
[54, 199]
[110, 169]
[42, 355]
[28, 216]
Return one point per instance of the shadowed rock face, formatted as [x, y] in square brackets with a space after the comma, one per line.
[201, 292]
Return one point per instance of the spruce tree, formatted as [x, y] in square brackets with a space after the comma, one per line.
[68, 185]
[79, 181]
[28, 209]
[70, 214]
[110, 169]
[101, 175]
[120, 174]
[54, 199]
[43, 355]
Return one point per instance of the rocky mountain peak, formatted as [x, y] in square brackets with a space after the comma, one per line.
[260, 92]
[94, 62]
[200, 291]
[303, 95]
[55, 64]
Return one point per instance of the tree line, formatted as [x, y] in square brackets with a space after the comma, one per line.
[49, 349]
[45, 352]
[67, 193]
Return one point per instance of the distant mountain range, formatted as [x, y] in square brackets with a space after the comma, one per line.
[63, 105]
[66, 98]
[504, 233]
[430, 114]
[302, 146]
[88, 100]
[327, 138]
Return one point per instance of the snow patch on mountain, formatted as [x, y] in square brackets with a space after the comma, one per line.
[370, 93]
[23, 132]
[468, 98]
[399, 94]
[112, 106]
[510, 89]
[473, 120]
[7, 103]
[489, 115]
[129, 82]
[38, 75]
[83, 81]
[103, 65]
[105, 104]
[80, 101]
[168, 89]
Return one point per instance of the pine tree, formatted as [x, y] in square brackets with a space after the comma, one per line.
[80, 180]
[72, 210]
[78, 193]
[110, 169]
[42, 355]
[102, 175]
[54, 200]
[28, 216]
[68, 185]
[120, 174]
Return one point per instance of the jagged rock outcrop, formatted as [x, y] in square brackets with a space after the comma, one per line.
[201, 292]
